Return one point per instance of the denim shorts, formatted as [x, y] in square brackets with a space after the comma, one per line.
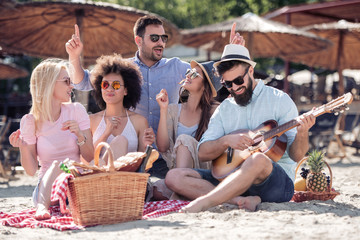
[159, 169]
[278, 187]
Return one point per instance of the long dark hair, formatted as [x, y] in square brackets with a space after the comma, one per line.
[206, 103]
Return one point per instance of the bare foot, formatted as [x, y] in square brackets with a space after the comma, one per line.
[42, 213]
[249, 203]
[198, 205]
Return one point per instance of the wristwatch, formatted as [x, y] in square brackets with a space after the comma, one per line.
[82, 142]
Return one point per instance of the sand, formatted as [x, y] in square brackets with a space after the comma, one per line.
[337, 219]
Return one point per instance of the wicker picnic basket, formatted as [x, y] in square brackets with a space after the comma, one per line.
[107, 197]
[301, 196]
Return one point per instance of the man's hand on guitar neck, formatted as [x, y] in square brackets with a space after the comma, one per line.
[300, 145]
[306, 121]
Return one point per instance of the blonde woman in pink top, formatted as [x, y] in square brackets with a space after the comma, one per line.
[55, 129]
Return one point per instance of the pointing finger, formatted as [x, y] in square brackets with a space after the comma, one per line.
[232, 33]
[77, 32]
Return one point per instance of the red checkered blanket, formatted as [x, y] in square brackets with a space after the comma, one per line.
[61, 218]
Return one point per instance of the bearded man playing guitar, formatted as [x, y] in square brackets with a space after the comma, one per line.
[257, 177]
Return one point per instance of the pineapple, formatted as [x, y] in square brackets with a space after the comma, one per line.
[316, 180]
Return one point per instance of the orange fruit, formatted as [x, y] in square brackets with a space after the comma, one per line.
[300, 184]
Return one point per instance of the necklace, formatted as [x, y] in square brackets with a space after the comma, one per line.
[123, 115]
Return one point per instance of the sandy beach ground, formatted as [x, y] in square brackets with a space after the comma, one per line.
[338, 219]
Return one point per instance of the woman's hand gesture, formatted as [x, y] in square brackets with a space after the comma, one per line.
[15, 139]
[162, 99]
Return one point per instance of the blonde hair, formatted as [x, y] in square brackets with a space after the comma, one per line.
[42, 84]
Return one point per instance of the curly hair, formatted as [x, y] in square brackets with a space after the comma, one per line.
[128, 70]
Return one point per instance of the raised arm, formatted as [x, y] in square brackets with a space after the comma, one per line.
[162, 136]
[74, 48]
[235, 37]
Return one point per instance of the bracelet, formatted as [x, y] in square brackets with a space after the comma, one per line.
[82, 142]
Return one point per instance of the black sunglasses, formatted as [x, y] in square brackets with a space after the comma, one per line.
[238, 80]
[156, 37]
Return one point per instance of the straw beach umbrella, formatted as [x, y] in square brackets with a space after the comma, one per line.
[344, 52]
[42, 28]
[301, 15]
[11, 71]
[264, 38]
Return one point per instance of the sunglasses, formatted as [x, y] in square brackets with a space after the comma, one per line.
[192, 73]
[115, 85]
[156, 37]
[67, 80]
[238, 81]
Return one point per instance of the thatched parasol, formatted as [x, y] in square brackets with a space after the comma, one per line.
[344, 52]
[324, 12]
[42, 28]
[264, 38]
[11, 71]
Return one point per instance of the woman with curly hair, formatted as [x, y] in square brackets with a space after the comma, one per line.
[117, 88]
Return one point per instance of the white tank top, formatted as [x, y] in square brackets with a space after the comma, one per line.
[129, 132]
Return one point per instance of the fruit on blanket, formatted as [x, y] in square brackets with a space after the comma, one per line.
[316, 180]
[300, 184]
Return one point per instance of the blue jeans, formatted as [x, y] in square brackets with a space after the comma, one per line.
[277, 187]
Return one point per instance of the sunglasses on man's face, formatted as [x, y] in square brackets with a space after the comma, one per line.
[115, 85]
[156, 37]
[238, 80]
[192, 73]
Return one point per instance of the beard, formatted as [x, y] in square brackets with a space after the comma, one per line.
[244, 98]
[150, 54]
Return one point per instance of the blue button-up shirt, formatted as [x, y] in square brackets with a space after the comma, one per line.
[166, 73]
[267, 103]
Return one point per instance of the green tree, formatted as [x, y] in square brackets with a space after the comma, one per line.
[194, 13]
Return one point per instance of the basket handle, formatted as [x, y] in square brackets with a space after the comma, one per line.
[110, 154]
[305, 159]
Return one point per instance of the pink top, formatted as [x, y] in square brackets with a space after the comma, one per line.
[52, 143]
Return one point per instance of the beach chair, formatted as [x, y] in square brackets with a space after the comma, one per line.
[322, 133]
[4, 128]
[348, 131]
[9, 156]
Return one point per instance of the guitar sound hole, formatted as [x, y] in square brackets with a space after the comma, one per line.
[257, 139]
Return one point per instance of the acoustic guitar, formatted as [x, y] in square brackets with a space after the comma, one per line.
[269, 139]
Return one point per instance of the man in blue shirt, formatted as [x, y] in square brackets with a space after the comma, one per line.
[257, 177]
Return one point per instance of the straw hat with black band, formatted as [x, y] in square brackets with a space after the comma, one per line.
[235, 52]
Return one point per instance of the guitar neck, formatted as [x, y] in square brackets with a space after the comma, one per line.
[278, 131]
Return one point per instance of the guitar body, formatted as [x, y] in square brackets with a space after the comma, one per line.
[274, 148]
